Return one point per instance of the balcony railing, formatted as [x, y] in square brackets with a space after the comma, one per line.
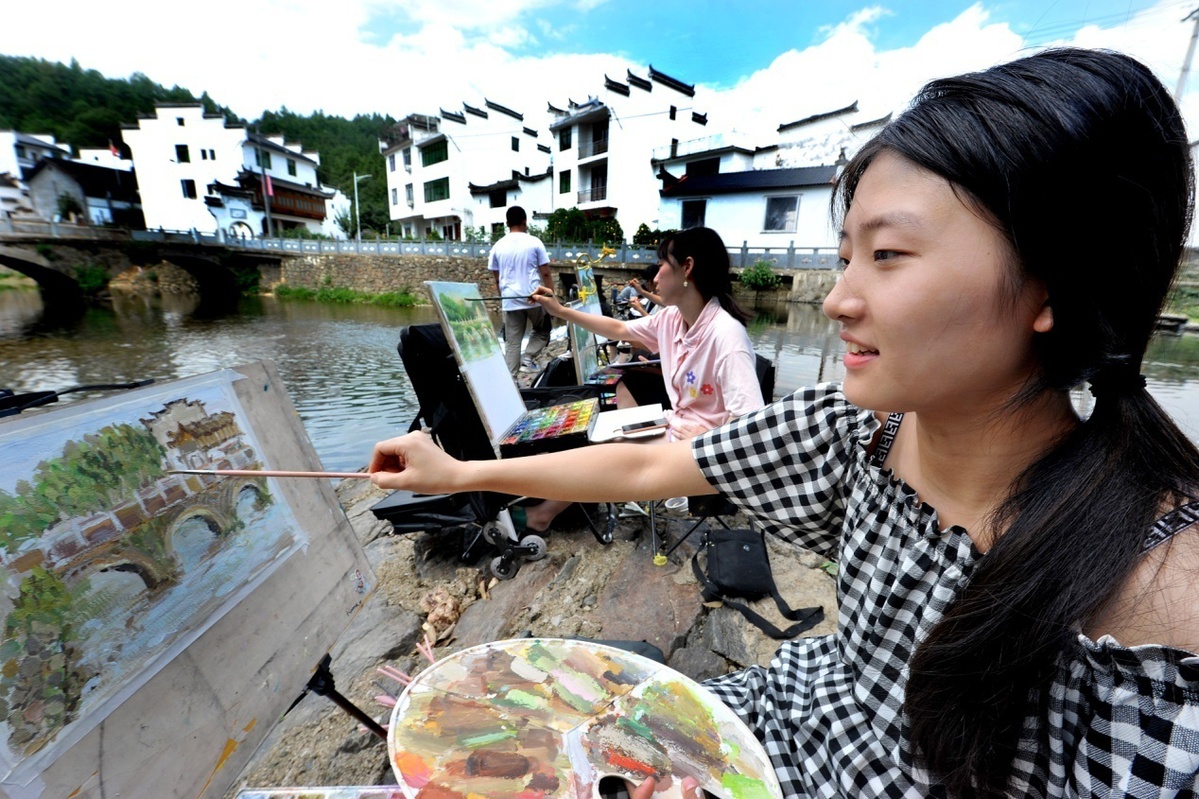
[595, 147]
[593, 195]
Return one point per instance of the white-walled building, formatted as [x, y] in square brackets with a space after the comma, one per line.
[20, 152]
[438, 168]
[103, 196]
[774, 208]
[107, 158]
[196, 172]
[603, 147]
[775, 195]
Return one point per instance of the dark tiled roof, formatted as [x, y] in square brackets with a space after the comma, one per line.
[851, 108]
[470, 109]
[751, 180]
[259, 140]
[249, 178]
[504, 110]
[639, 82]
[585, 112]
[871, 123]
[454, 116]
[96, 181]
[673, 83]
[616, 86]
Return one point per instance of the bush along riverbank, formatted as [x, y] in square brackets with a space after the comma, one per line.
[341, 294]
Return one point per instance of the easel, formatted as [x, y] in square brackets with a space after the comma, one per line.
[322, 684]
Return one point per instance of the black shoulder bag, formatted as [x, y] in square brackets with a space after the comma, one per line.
[738, 566]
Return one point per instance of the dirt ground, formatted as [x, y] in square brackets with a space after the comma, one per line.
[581, 588]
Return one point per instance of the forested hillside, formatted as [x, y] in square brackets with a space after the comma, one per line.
[84, 108]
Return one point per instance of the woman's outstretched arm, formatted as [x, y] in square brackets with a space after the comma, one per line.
[600, 325]
[606, 472]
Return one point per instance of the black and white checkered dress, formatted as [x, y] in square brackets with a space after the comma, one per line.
[1117, 722]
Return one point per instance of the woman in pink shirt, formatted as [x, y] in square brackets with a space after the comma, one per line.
[708, 371]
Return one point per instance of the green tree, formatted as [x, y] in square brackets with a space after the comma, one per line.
[89, 475]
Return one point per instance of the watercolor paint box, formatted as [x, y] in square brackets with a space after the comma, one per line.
[550, 429]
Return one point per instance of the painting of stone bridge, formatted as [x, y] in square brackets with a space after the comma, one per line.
[110, 562]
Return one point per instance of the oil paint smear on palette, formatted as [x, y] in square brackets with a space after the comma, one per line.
[544, 717]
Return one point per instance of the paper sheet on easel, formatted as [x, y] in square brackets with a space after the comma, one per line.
[609, 423]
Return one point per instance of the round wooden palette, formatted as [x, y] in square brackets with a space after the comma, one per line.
[543, 717]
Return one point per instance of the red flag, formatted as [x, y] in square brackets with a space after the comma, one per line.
[112, 148]
[270, 190]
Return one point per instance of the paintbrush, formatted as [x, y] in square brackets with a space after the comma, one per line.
[489, 299]
[265, 473]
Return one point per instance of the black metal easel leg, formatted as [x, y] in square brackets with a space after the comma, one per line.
[322, 684]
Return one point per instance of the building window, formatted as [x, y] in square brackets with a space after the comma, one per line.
[434, 153]
[693, 213]
[189, 188]
[515, 144]
[408, 196]
[203, 155]
[391, 163]
[395, 196]
[673, 112]
[564, 182]
[263, 158]
[564, 139]
[291, 167]
[20, 148]
[407, 153]
[498, 198]
[182, 155]
[179, 121]
[781, 214]
[437, 190]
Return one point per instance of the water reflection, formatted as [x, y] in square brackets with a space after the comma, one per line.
[338, 363]
[341, 370]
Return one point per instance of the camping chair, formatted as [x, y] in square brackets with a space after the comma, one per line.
[448, 412]
[712, 506]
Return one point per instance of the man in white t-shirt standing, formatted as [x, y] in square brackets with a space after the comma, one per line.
[520, 265]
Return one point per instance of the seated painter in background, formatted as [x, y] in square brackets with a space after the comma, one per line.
[707, 374]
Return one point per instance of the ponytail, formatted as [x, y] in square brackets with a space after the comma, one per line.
[712, 273]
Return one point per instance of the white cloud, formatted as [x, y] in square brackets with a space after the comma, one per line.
[360, 56]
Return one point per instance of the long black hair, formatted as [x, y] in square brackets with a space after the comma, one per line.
[1081, 159]
[711, 271]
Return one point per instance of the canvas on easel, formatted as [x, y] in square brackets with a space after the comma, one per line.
[155, 625]
[585, 349]
[472, 338]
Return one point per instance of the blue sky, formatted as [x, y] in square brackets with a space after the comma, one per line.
[718, 43]
[773, 60]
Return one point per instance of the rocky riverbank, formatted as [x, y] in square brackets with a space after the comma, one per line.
[582, 588]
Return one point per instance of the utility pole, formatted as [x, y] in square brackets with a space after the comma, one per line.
[266, 190]
[357, 219]
[1186, 62]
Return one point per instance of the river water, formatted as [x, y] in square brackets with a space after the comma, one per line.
[340, 366]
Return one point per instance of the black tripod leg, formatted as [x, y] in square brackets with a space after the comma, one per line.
[322, 684]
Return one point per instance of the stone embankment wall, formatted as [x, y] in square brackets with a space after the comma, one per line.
[374, 274]
[387, 273]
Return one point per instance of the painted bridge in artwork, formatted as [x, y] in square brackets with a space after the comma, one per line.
[137, 535]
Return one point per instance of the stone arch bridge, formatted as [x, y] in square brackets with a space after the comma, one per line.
[138, 536]
[58, 267]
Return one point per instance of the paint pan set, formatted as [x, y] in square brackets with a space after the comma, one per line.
[549, 429]
[551, 718]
